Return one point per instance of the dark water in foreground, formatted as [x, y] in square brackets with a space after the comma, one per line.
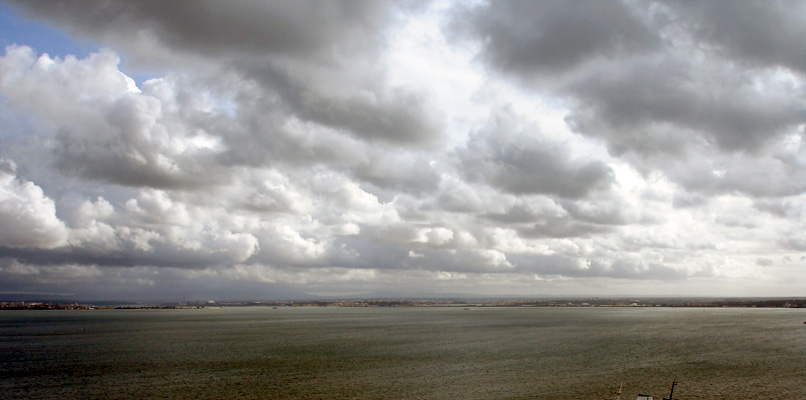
[403, 353]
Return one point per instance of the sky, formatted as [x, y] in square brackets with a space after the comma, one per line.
[159, 151]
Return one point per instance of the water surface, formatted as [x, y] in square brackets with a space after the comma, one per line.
[403, 353]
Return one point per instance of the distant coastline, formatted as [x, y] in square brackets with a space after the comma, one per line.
[465, 303]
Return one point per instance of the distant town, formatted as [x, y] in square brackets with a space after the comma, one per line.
[466, 303]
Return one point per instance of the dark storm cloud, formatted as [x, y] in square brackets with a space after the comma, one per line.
[521, 161]
[530, 38]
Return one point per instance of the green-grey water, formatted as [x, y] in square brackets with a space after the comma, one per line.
[403, 353]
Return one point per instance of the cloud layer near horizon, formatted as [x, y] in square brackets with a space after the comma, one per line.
[283, 148]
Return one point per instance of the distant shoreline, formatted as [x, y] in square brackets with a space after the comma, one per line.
[464, 303]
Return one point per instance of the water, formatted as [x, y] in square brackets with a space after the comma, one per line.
[403, 353]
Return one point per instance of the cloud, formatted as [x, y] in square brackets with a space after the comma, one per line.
[520, 160]
[775, 173]
[670, 103]
[541, 217]
[101, 126]
[141, 284]
[398, 171]
[765, 262]
[535, 40]
[474, 260]
[27, 217]
[620, 268]
[150, 230]
[678, 80]
[242, 26]
[764, 33]
[319, 62]
[339, 147]
[397, 115]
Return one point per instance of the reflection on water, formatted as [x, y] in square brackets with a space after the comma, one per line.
[402, 353]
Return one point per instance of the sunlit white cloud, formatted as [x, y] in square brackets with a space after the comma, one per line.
[27, 215]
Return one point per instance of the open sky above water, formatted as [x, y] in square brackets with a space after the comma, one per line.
[276, 149]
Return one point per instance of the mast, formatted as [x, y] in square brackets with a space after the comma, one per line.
[671, 392]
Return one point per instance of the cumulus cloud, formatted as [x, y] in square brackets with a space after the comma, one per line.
[27, 216]
[99, 125]
[151, 229]
[317, 61]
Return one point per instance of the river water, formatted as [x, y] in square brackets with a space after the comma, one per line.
[403, 353]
